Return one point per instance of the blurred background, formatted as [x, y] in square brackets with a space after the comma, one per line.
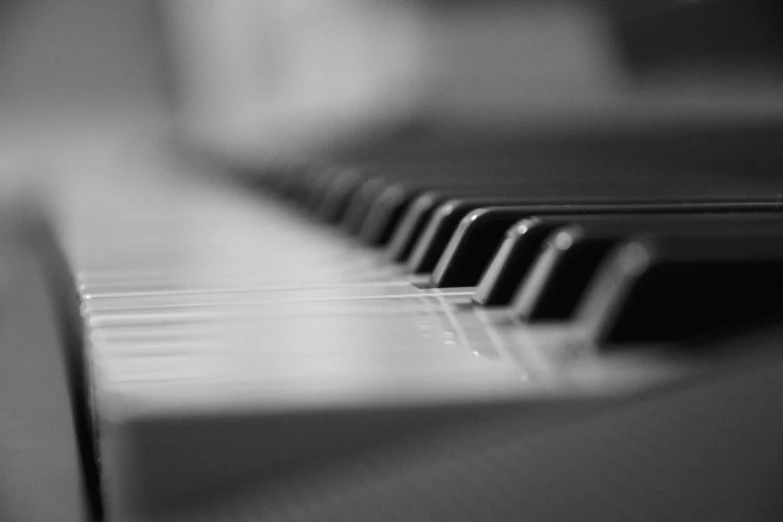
[264, 80]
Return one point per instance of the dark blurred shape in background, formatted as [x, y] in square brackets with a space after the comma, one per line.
[257, 79]
[261, 79]
[702, 35]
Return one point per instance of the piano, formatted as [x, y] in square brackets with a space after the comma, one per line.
[570, 321]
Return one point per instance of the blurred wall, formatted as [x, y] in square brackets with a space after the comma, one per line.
[82, 52]
[290, 77]
[79, 81]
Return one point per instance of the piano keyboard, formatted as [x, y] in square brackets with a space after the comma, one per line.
[235, 333]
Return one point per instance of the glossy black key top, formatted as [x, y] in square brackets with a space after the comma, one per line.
[506, 270]
[517, 255]
[390, 208]
[466, 260]
[572, 255]
[442, 224]
[472, 244]
[666, 288]
[381, 196]
[556, 282]
[379, 204]
[477, 239]
[479, 235]
[411, 226]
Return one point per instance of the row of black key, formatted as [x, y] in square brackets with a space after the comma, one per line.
[553, 250]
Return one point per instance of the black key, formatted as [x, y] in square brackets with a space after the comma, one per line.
[518, 175]
[365, 202]
[571, 257]
[335, 200]
[666, 288]
[478, 236]
[556, 282]
[441, 226]
[475, 242]
[480, 233]
[411, 226]
[506, 270]
[381, 196]
[514, 258]
[386, 213]
[388, 210]
[361, 203]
